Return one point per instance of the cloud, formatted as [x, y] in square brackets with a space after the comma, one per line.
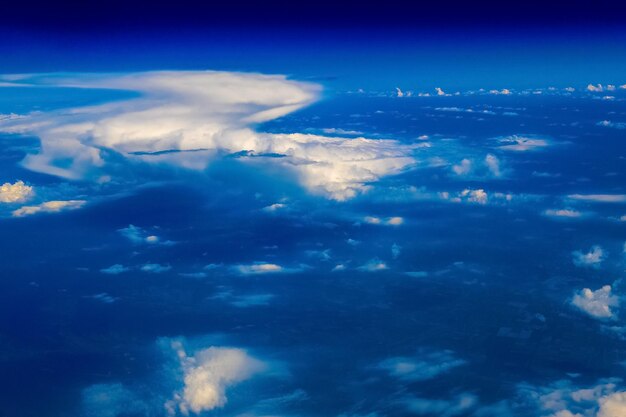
[593, 258]
[155, 268]
[49, 207]
[207, 375]
[274, 207]
[115, 269]
[614, 125]
[396, 250]
[259, 268]
[563, 213]
[111, 400]
[389, 221]
[15, 193]
[459, 405]
[251, 300]
[373, 265]
[138, 235]
[519, 143]
[423, 366]
[597, 303]
[613, 405]
[188, 119]
[463, 168]
[474, 196]
[599, 198]
[564, 399]
[493, 164]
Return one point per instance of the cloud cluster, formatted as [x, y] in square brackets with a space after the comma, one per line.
[190, 118]
[54, 206]
[592, 259]
[389, 221]
[207, 375]
[598, 303]
[564, 399]
[15, 193]
[518, 143]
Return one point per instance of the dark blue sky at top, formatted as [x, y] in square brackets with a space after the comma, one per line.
[348, 45]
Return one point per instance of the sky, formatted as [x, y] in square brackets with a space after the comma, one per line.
[325, 209]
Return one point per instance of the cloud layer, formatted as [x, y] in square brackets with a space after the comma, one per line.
[190, 118]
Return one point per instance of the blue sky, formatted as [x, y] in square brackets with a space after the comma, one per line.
[313, 210]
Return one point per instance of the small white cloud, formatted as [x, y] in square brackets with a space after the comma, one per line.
[251, 300]
[207, 375]
[519, 143]
[597, 303]
[274, 207]
[258, 268]
[49, 207]
[474, 196]
[440, 92]
[463, 168]
[373, 265]
[105, 298]
[599, 198]
[399, 93]
[155, 268]
[115, 269]
[593, 258]
[395, 250]
[15, 193]
[563, 213]
[389, 221]
[614, 125]
[339, 267]
[493, 164]
[423, 366]
[598, 88]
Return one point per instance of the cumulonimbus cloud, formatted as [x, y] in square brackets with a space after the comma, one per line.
[189, 118]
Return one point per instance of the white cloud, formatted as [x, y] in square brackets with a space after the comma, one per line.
[474, 196]
[599, 198]
[493, 163]
[138, 235]
[115, 269]
[260, 268]
[207, 375]
[463, 168]
[440, 92]
[15, 193]
[209, 113]
[373, 265]
[423, 366]
[274, 207]
[49, 207]
[597, 303]
[519, 143]
[563, 213]
[389, 221]
[564, 399]
[613, 405]
[593, 258]
[155, 268]
[614, 125]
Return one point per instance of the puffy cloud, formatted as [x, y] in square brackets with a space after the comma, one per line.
[493, 164]
[474, 196]
[614, 125]
[274, 207]
[519, 143]
[563, 399]
[258, 268]
[155, 268]
[599, 198]
[15, 193]
[49, 207]
[115, 269]
[373, 265]
[597, 303]
[440, 92]
[504, 91]
[563, 213]
[190, 118]
[138, 235]
[207, 375]
[613, 405]
[389, 221]
[425, 365]
[463, 168]
[593, 258]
